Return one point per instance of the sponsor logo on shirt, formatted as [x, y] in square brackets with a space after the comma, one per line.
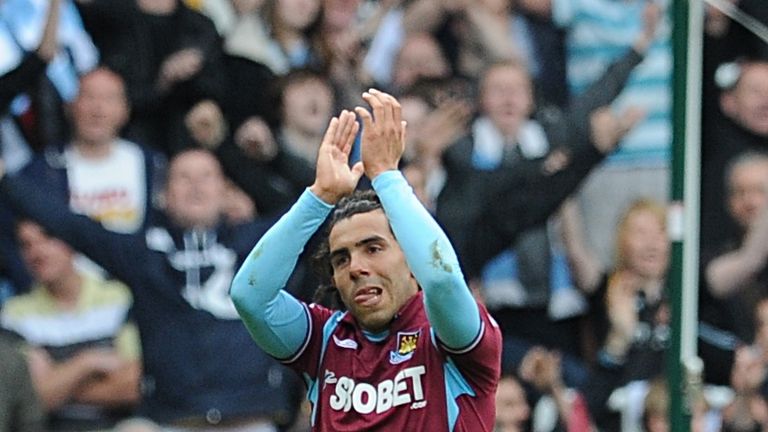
[364, 398]
[345, 343]
[406, 346]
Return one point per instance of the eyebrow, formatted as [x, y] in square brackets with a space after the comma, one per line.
[363, 242]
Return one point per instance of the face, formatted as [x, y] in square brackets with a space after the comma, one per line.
[761, 324]
[340, 14]
[748, 102]
[506, 97]
[748, 191]
[47, 258]
[512, 410]
[658, 423]
[644, 245]
[297, 15]
[419, 57]
[369, 269]
[196, 190]
[414, 110]
[307, 106]
[100, 109]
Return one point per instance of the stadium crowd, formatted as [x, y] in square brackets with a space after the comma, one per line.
[146, 145]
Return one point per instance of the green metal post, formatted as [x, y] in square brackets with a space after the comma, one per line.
[683, 366]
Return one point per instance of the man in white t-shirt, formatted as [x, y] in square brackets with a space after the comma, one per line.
[102, 175]
[105, 177]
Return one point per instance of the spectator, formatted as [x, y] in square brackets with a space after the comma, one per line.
[543, 370]
[20, 409]
[749, 409]
[512, 409]
[577, 131]
[34, 62]
[475, 35]
[438, 114]
[504, 139]
[110, 179]
[281, 162]
[293, 27]
[734, 272]
[740, 125]
[170, 58]
[656, 410]
[628, 309]
[84, 350]
[598, 32]
[420, 56]
[41, 85]
[15, 152]
[101, 175]
[200, 368]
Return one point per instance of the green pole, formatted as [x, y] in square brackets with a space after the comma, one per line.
[683, 366]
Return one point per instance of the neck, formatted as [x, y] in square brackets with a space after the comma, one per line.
[301, 143]
[66, 290]
[93, 149]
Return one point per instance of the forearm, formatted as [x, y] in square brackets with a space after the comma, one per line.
[605, 89]
[490, 31]
[57, 385]
[586, 267]
[275, 319]
[117, 389]
[728, 272]
[432, 260]
[116, 253]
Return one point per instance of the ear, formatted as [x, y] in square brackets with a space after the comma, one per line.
[728, 103]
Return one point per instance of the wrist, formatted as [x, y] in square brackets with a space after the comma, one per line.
[326, 196]
[374, 172]
[616, 345]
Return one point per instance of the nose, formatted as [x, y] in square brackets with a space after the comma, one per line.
[357, 266]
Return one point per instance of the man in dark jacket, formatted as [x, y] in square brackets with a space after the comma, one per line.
[201, 369]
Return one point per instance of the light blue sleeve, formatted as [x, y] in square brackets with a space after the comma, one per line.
[276, 320]
[564, 12]
[451, 309]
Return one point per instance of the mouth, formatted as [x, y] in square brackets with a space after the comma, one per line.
[368, 296]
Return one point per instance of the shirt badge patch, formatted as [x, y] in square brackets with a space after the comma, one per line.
[406, 346]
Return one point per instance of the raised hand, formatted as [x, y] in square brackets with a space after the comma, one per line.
[383, 140]
[607, 129]
[334, 179]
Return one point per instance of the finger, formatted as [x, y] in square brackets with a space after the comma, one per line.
[350, 124]
[391, 107]
[403, 134]
[349, 139]
[357, 170]
[343, 122]
[330, 132]
[366, 117]
[377, 107]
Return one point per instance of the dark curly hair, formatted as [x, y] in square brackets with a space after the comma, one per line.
[360, 201]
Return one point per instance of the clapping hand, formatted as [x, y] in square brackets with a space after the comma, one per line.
[334, 178]
[383, 140]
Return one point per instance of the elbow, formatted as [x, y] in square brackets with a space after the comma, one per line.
[239, 288]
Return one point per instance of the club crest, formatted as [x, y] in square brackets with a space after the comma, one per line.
[406, 345]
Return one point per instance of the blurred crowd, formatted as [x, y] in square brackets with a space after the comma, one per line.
[146, 145]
